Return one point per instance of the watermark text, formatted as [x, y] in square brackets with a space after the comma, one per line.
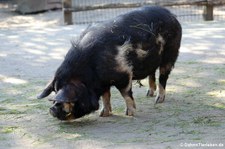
[202, 145]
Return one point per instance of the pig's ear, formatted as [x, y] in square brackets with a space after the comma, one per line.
[48, 89]
[61, 96]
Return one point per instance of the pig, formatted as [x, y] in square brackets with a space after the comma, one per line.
[129, 47]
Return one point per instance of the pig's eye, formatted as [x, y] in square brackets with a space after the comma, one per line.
[57, 104]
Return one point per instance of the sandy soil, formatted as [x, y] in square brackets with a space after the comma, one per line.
[33, 46]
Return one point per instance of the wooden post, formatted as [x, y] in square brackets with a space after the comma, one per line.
[67, 13]
[208, 12]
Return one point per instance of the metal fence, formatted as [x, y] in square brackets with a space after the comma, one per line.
[89, 11]
[92, 11]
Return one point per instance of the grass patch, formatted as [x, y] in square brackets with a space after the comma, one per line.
[3, 138]
[6, 110]
[9, 129]
[23, 108]
[14, 111]
[220, 70]
[205, 121]
[2, 109]
[183, 124]
[192, 92]
[197, 139]
[119, 110]
[8, 100]
[132, 140]
[201, 120]
[33, 107]
[219, 105]
[193, 132]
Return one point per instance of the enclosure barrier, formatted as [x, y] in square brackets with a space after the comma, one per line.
[207, 4]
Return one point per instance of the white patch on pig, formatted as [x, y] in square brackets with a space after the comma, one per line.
[160, 41]
[122, 62]
[141, 53]
[67, 107]
[121, 58]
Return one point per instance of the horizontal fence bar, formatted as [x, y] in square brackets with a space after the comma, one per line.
[127, 5]
[134, 5]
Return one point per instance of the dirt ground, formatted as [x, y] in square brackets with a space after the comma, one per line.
[193, 115]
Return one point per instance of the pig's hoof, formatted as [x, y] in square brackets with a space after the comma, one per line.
[159, 99]
[150, 93]
[130, 111]
[105, 113]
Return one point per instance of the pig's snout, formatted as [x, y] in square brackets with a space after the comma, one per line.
[56, 110]
[61, 110]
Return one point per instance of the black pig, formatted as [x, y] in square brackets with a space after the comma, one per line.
[130, 47]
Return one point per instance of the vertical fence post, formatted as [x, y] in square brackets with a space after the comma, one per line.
[67, 13]
[208, 11]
